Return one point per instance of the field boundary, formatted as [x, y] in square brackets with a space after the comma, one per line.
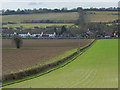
[51, 67]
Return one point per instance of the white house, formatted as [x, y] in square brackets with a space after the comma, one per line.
[36, 34]
[48, 34]
[107, 36]
[25, 34]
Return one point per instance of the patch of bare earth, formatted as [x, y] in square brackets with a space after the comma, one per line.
[34, 52]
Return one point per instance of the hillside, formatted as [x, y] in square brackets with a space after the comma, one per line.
[90, 16]
[58, 17]
[96, 68]
[101, 16]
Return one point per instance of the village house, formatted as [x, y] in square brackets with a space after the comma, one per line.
[48, 34]
[16, 28]
[89, 33]
[24, 34]
[35, 35]
[8, 34]
[28, 34]
[108, 35]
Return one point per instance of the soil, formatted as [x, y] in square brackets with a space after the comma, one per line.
[34, 52]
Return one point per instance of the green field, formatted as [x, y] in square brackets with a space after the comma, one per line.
[65, 17]
[99, 16]
[95, 68]
[103, 12]
[40, 25]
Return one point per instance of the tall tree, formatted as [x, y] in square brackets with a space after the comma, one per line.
[63, 30]
[17, 40]
[81, 19]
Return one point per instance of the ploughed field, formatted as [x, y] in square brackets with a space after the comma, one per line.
[95, 68]
[34, 53]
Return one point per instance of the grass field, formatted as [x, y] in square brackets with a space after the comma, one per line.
[99, 16]
[34, 53]
[103, 12]
[66, 17]
[95, 68]
[40, 25]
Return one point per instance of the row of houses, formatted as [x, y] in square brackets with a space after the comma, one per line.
[106, 35]
[28, 34]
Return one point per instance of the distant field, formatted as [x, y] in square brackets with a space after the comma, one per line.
[103, 12]
[65, 17]
[40, 25]
[37, 52]
[99, 16]
[96, 68]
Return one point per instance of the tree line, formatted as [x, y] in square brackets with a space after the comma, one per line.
[45, 10]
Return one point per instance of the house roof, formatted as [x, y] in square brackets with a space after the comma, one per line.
[48, 33]
[22, 32]
[89, 32]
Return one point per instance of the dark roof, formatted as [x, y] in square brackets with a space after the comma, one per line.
[48, 33]
[22, 32]
[45, 35]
